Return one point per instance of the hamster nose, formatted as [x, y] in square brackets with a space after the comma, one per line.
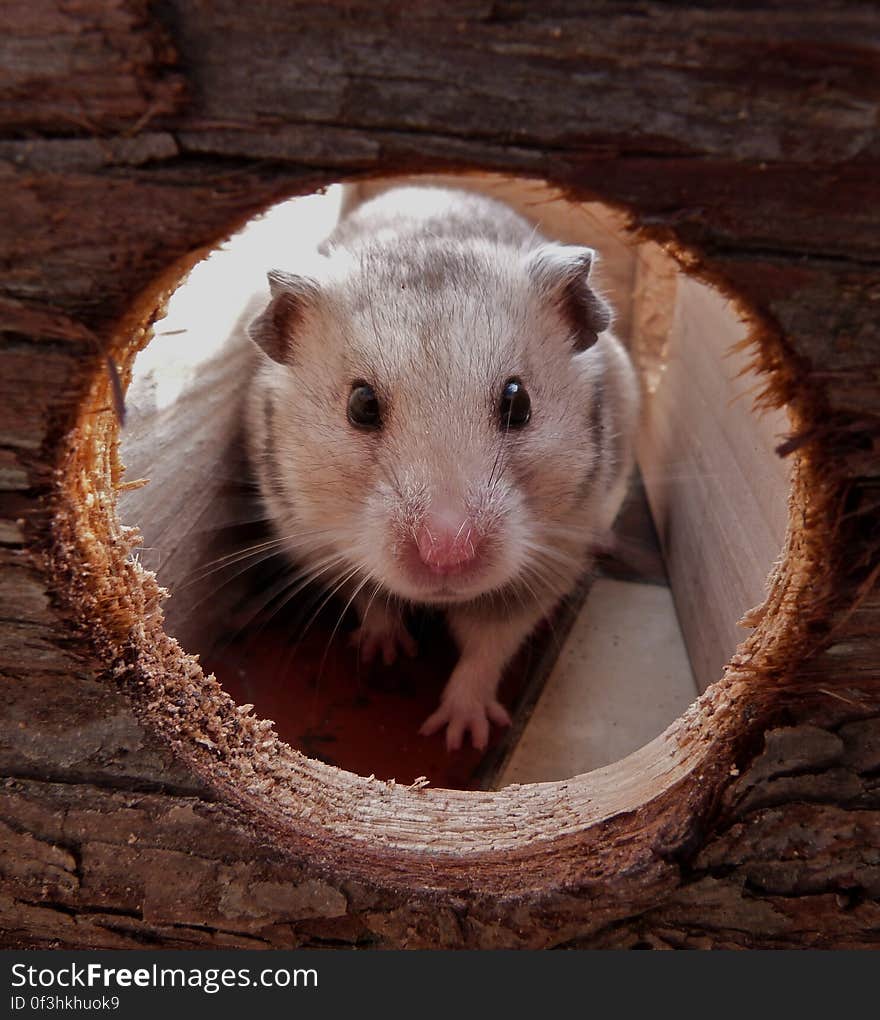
[447, 540]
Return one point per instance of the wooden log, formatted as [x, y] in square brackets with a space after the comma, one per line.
[136, 138]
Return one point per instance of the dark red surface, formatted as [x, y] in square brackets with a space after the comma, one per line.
[366, 719]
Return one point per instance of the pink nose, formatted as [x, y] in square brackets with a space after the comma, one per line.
[447, 541]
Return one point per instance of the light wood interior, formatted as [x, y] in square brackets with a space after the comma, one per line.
[717, 489]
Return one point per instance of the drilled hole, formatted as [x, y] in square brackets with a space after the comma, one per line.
[698, 535]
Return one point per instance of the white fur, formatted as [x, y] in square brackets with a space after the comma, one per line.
[432, 296]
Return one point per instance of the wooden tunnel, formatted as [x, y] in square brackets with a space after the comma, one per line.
[139, 805]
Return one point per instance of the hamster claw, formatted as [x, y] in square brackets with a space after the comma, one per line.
[462, 716]
[371, 642]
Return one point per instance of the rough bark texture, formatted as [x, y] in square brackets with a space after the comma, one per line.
[139, 805]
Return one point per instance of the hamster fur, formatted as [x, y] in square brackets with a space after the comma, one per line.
[427, 486]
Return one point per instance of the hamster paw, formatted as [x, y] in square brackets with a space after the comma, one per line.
[466, 713]
[384, 635]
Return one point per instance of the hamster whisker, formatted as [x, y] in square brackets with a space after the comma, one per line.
[281, 582]
[293, 585]
[644, 558]
[545, 554]
[348, 605]
[251, 557]
[549, 583]
[289, 585]
[334, 590]
[275, 590]
[490, 485]
[301, 579]
[229, 525]
[280, 540]
[392, 479]
[519, 595]
[256, 554]
[549, 550]
[553, 595]
[372, 599]
[574, 532]
[224, 582]
[498, 463]
[233, 557]
[255, 560]
[190, 611]
[366, 613]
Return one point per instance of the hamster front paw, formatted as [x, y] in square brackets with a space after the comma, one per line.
[462, 711]
[382, 631]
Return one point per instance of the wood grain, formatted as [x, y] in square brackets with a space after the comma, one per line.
[746, 142]
[717, 488]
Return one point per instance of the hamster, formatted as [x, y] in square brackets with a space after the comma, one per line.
[441, 417]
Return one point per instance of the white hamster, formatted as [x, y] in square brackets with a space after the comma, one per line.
[442, 418]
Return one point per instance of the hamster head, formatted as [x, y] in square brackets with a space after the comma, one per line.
[432, 414]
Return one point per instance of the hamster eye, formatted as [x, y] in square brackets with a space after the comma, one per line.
[363, 407]
[515, 408]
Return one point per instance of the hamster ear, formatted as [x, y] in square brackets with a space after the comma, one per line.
[561, 272]
[275, 328]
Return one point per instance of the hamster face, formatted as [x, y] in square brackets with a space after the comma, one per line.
[430, 420]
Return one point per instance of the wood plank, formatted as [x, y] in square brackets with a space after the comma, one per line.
[717, 489]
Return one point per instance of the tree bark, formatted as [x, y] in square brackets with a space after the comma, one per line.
[139, 805]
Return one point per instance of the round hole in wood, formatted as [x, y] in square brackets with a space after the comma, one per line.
[518, 841]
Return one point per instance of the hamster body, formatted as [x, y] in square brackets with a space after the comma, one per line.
[442, 417]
